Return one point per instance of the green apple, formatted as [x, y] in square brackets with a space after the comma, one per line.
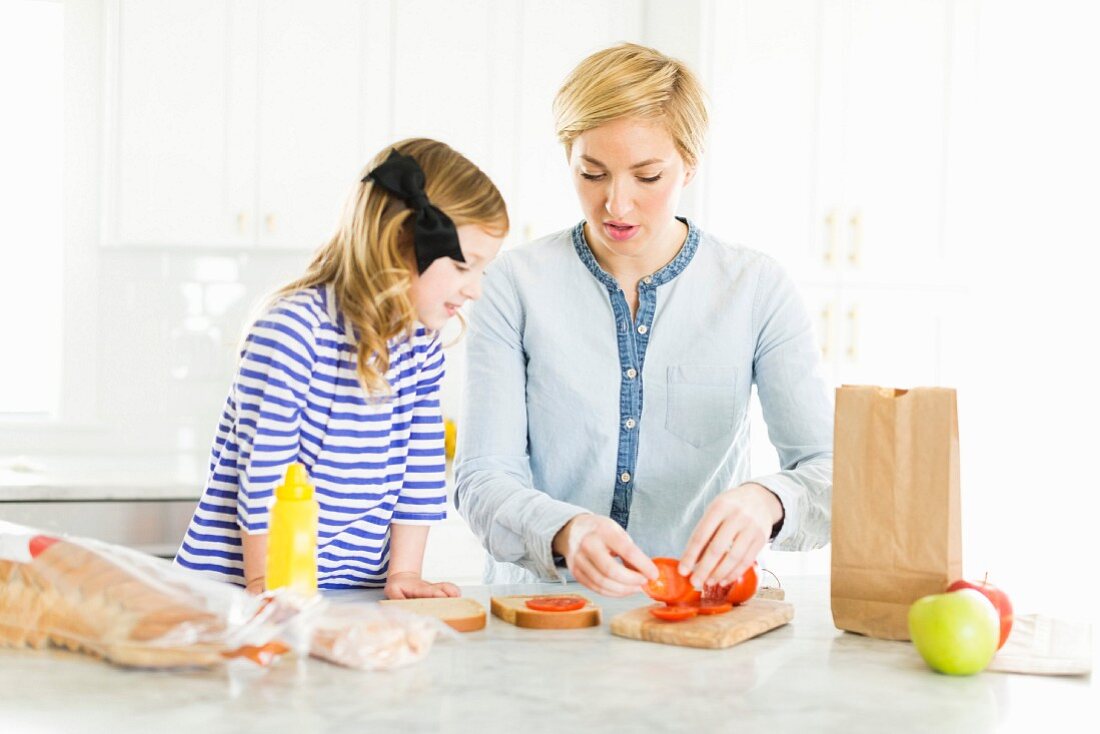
[956, 633]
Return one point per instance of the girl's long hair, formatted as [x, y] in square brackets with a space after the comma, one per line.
[370, 260]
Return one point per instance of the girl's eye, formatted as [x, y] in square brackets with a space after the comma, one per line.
[651, 179]
[592, 176]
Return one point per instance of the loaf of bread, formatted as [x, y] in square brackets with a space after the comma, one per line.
[80, 597]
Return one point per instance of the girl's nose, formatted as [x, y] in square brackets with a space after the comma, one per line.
[472, 290]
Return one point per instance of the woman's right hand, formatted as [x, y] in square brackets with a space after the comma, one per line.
[592, 545]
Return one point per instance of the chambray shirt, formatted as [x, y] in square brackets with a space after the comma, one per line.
[572, 406]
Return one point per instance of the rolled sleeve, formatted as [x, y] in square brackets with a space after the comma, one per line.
[798, 410]
[494, 492]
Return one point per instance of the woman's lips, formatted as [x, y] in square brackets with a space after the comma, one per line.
[620, 232]
[451, 309]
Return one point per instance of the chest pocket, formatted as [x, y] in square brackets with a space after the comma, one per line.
[701, 402]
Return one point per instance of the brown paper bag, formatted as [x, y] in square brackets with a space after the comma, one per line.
[896, 533]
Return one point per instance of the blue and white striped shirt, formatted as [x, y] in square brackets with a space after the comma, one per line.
[297, 397]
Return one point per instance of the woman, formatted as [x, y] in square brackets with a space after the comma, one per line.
[611, 366]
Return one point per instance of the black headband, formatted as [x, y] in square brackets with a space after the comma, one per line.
[434, 234]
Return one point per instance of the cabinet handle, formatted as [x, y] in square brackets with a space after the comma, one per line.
[827, 331]
[242, 221]
[269, 223]
[855, 238]
[853, 333]
[832, 234]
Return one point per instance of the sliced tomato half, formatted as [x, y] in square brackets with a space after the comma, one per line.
[743, 588]
[669, 586]
[691, 600]
[673, 614]
[565, 603]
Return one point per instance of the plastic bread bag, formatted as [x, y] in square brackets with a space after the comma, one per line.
[368, 636]
[133, 609]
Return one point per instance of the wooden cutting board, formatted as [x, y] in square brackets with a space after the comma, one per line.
[748, 620]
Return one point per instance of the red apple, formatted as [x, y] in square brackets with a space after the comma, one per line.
[995, 595]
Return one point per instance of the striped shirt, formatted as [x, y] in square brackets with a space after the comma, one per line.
[297, 397]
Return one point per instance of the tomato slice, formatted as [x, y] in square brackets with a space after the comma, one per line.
[715, 607]
[673, 614]
[567, 603]
[669, 586]
[743, 588]
[40, 543]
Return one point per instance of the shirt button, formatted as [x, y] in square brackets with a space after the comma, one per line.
[647, 280]
[624, 477]
[631, 373]
[643, 329]
[630, 423]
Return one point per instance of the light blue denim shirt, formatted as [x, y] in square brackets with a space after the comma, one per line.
[571, 406]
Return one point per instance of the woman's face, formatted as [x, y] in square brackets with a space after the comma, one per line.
[629, 177]
[447, 284]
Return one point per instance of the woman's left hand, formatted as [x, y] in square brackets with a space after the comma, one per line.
[408, 585]
[731, 535]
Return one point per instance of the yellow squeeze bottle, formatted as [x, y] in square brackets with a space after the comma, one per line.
[292, 537]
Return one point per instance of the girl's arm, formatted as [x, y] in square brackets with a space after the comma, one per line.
[254, 551]
[403, 581]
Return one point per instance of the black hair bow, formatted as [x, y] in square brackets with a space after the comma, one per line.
[434, 234]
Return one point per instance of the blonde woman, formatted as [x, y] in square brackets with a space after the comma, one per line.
[611, 365]
[342, 374]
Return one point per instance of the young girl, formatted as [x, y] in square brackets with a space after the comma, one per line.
[342, 374]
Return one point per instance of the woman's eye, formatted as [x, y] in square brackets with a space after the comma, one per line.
[651, 179]
[592, 176]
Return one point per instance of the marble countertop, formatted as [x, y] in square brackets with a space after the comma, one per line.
[804, 677]
[71, 478]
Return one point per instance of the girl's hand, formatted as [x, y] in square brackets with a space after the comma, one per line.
[409, 585]
[592, 545]
[731, 535]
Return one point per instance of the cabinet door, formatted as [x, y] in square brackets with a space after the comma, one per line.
[759, 176]
[173, 168]
[310, 119]
[900, 338]
[556, 36]
[893, 137]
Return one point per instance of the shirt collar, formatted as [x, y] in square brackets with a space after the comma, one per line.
[662, 276]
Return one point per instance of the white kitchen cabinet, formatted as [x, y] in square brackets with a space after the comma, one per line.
[309, 126]
[758, 181]
[173, 177]
[236, 123]
[556, 36]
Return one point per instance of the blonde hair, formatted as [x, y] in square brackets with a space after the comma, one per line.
[369, 260]
[629, 80]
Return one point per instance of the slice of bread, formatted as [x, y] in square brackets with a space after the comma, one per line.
[514, 610]
[461, 613]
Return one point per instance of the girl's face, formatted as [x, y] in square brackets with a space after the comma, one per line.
[629, 177]
[440, 291]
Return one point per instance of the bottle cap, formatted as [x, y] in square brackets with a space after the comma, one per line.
[295, 485]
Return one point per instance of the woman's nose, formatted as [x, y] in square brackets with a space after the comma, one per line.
[619, 201]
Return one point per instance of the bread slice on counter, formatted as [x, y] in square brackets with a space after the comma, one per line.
[514, 610]
[461, 613]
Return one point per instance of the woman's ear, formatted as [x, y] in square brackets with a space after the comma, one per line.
[689, 175]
